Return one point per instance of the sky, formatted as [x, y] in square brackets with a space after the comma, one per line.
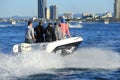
[29, 7]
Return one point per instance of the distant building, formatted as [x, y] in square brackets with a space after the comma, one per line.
[53, 12]
[87, 16]
[48, 13]
[68, 15]
[32, 19]
[94, 16]
[107, 15]
[117, 9]
[42, 8]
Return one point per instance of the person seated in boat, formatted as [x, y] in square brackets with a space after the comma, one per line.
[39, 32]
[50, 33]
[65, 28]
[29, 35]
[58, 31]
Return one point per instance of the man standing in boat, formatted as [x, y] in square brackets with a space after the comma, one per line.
[64, 28]
[29, 35]
[58, 31]
[39, 32]
[50, 33]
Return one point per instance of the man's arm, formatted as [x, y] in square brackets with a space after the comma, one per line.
[33, 36]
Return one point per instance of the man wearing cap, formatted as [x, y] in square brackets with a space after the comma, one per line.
[64, 28]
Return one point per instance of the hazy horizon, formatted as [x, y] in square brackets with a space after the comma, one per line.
[29, 8]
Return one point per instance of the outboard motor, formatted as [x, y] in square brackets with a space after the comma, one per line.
[23, 47]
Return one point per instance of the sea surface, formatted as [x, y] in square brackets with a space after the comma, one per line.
[97, 58]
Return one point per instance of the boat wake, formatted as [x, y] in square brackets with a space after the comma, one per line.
[94, 58]
[11, 25]
[75, 26]
[7, 25]
[36, 62]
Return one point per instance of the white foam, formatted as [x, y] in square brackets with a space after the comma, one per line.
[7, 25]
[39, 62]
[28, 64]
[94, 58]
[75, 26]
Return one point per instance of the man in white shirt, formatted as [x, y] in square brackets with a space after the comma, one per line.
[29, 35]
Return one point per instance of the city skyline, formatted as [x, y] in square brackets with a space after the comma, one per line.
[29, 8]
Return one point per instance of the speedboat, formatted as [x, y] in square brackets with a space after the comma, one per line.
[106, 21]
[63, 47]
[13, 22]
[75, 25]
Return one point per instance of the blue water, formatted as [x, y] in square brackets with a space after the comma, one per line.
[98, 57]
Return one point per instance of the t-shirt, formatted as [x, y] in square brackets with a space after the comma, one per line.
[58, 33]
[29, 32]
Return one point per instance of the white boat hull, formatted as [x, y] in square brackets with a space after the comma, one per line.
[62, 47]
[13, 22]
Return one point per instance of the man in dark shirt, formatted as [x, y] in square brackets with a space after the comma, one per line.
[39, 32]
[50, 33]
